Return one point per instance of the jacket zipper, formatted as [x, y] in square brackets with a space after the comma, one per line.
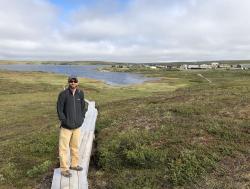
[74, 109]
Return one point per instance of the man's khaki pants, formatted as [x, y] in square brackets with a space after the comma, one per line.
[69, 139]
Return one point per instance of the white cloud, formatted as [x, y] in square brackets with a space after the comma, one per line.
[142, 31]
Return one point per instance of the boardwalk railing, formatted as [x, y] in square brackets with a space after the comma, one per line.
[79, 178]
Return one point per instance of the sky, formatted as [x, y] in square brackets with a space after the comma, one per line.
[125, 30]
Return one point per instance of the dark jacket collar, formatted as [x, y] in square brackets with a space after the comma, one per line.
[69, 90]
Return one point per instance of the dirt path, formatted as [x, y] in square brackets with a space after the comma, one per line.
[204, 78]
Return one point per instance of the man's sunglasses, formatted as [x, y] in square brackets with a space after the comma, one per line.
[73, 81]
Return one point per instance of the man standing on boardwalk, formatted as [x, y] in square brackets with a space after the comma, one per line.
[71, 113]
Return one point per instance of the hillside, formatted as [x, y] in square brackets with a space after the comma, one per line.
[176, 132]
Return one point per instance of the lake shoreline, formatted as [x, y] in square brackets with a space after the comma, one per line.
[85, 71]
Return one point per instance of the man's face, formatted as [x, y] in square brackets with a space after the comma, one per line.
[73, 83]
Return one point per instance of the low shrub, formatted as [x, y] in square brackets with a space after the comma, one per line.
[39, 169]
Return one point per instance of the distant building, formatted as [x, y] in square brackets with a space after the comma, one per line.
[215, 64]
[153, 67]
[205, 66]
[245, 66]
[174, 67]
[160, 66]
[225, 66]
[193, 66]
[236, 66]
[184, 66]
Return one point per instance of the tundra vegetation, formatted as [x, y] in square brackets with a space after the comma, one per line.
[179, 131]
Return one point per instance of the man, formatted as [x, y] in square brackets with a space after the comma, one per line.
[71, 113]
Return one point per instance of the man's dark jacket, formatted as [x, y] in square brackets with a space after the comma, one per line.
[71, 109]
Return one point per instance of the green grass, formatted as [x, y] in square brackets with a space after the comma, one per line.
[177, 132]
[177, 138]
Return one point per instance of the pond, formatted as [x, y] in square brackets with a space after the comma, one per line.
[86, 71]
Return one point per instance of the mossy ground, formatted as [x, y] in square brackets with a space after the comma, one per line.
[177, 132]
[193, 136]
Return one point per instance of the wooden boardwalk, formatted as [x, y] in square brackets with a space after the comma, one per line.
[79, 178]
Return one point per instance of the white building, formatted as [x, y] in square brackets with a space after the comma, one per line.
[193, 66]
[245, 66]
[215, 64]
[225, 66]
[153, 67]
[184, 66]
[205, 66]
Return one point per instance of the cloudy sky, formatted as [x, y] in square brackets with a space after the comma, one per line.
[125, 30]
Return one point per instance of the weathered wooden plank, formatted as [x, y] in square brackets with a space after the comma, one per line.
[93, 119]
[83, 182]
[64, 183]
[73, 181]
[86, 147]
[93, 122]
[56, 182]
[83, 145]
[90, 126]
[87, 152]
[88, 122]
